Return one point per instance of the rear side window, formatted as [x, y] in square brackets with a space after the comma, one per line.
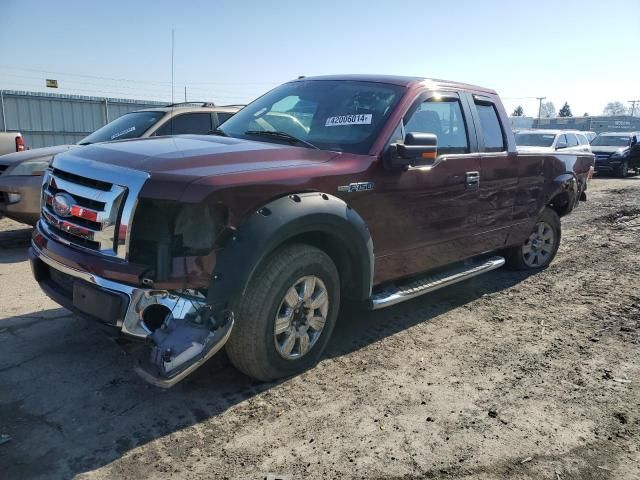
[572, 141]
[445, 120]
[491, 128]
[223, 117]
[188, 123]
[582, 140]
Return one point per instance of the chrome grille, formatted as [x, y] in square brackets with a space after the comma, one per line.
[95, 229]
[602, 156]
[90, 205]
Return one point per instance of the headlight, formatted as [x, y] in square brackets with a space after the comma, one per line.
[30, 167]
[622, 153]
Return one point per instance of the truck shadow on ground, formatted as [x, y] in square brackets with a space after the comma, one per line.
[15, 242]
[71, 402]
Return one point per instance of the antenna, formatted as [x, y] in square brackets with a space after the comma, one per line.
[172, 48]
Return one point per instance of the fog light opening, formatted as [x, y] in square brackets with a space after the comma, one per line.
[154, 316]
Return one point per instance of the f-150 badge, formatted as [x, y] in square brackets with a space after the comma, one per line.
[356, 187]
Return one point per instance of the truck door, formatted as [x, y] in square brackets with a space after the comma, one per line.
[439, 200]
[498, 172]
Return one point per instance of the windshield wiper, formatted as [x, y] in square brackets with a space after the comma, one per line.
[281, 136]
[85, 143]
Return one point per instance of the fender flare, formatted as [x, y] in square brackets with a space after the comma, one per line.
[565, 184]
[280, 221]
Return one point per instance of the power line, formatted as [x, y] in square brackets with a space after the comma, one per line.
[98, 77]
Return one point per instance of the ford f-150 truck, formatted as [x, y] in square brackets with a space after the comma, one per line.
[372, 189]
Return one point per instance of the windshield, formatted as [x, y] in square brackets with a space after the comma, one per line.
[535, 139]
[129, 125]
[611, 141]
[331, 115]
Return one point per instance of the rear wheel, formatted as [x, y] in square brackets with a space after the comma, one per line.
[285, 319]
[540, 248]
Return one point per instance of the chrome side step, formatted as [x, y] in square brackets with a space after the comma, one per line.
[399, 293]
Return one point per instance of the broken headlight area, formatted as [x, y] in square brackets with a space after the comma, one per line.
[164, 231]
[181, 334]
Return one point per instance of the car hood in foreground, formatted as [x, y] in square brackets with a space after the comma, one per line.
[12, 159]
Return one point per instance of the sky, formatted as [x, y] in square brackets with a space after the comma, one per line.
[586, 53]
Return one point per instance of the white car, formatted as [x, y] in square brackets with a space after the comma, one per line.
[11, 142]
[552, 140]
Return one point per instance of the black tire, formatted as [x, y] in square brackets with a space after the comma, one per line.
[251, 346]
[515, 256]
[624, 169]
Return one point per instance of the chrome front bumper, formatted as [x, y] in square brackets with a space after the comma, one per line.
[138, 299]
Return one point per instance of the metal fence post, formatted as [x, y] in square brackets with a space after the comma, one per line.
[106, 111]
[4, 119]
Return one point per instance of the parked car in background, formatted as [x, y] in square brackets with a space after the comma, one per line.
[617, 152]
[21, 173]
[552, 140]
[252, 239]
[11, 142]
[590, 135]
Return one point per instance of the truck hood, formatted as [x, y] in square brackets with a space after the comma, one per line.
[174, 162]
[13, 159]
[606, 149]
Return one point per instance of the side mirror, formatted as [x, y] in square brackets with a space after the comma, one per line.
[416, 150]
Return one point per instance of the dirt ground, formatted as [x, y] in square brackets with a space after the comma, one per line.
[507, 375]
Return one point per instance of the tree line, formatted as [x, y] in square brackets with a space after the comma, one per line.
[548, 110]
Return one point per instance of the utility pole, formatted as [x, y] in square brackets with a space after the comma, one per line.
[185, 94]
[633, 106]
[540, 106]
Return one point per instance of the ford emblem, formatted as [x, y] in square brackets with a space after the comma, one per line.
[62, 203]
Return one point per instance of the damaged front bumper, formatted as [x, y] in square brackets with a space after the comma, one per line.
[177, 326]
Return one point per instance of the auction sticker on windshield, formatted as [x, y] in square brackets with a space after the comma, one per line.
[123, 132]
[359, 119]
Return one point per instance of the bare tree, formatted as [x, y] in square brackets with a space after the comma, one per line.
[615, 108]
[547, 110]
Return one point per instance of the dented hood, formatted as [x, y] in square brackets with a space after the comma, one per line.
[174, 162]
[198, 156]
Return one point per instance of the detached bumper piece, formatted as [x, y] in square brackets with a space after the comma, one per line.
[180, 346]
[178, 328]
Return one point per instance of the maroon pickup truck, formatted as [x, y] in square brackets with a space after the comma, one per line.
[374, 189]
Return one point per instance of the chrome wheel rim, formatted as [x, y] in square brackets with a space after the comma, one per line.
[301, 317]
[538, 248]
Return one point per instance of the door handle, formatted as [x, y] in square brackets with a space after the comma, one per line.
[472, 180]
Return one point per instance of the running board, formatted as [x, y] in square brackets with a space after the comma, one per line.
[399, 293]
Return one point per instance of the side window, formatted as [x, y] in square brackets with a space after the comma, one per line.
[223, 117]
[491, 129]
[562, 142]
[445, 120]
[582, 140]
[572, 141]
[187, 123]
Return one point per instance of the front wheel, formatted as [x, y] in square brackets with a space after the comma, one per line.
[540, 248]
[285, 319]
[624, 169]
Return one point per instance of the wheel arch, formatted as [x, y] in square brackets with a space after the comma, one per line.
[563, 194]
[313, 218]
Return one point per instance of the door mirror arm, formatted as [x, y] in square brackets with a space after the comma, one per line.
[417, 149]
